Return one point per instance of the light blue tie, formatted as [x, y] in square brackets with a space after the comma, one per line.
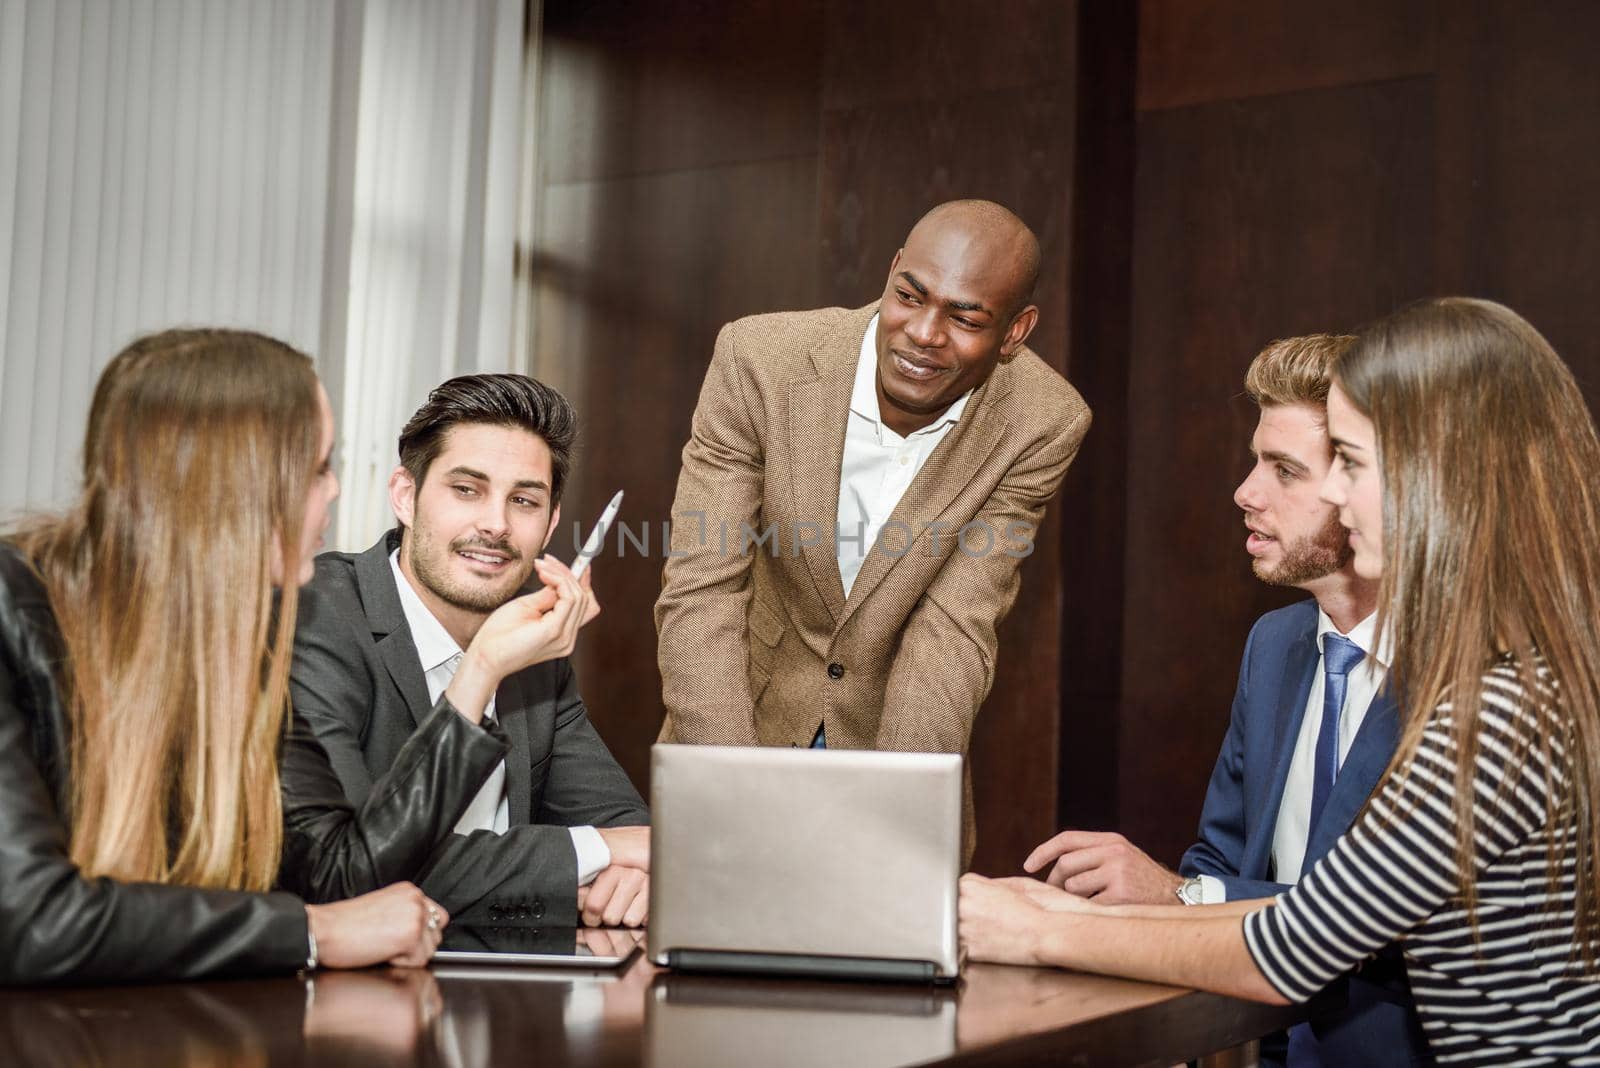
[1339, 658]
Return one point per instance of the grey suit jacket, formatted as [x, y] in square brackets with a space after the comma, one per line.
[358, 681]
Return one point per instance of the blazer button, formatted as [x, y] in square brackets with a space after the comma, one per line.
[538, 910]
[836, 671]
[496, 912]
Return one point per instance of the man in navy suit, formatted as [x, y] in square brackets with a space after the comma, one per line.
[1311, 731]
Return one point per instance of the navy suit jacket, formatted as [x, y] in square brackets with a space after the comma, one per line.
[1378, 1026]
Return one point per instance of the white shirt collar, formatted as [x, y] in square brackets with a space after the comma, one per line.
[864, 394]
[1363, 635]
[433, 642]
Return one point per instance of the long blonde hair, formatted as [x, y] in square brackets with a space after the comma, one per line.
[1491, 544]
[200, 450]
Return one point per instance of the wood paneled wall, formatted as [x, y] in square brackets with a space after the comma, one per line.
[679, 148]
[1204, 178]
[1303, 169]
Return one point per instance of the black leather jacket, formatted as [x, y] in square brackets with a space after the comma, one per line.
[57, 926]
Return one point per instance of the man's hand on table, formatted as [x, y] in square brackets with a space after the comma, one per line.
[1050, 898]
[618, 897]
[1105, 866]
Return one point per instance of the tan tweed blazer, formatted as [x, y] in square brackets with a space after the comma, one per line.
[758, 644]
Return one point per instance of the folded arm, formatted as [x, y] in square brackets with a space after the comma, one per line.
[345, 831]
[333, 849]
[534, 865]
[584, 784]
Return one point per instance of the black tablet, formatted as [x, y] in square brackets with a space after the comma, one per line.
[593, 948]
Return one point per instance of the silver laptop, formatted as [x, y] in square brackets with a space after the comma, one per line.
[805, 862]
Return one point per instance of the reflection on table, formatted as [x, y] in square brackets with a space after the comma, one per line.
[471, 1016]
[710, 1021]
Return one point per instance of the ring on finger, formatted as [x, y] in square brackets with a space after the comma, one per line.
[433, 918]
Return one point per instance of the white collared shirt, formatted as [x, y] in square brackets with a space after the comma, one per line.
[878, 464]
[1293, 830]
[490, 810]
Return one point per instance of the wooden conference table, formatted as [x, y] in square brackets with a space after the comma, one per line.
[457, 1016]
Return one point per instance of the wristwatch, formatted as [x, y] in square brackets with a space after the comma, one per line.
[1189, 891]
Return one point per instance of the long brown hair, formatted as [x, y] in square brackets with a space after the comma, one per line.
[200, 450]
[1491, 544]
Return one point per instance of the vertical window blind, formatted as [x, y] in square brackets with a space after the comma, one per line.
[340, 175]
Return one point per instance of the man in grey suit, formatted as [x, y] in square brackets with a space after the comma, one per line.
[557, 832]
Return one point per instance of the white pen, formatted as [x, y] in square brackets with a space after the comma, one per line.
[597, 537]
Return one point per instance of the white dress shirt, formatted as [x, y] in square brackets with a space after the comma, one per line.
[878, 464]
[1293, 830]
[490, 810]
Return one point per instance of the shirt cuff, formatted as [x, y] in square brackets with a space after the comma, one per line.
[1212, 890]
[594, 856]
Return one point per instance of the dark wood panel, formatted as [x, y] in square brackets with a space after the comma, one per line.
[1269, 201]
[636, 277]
[1015, 771]
[1519, 168]
[876, 52]
[1093, 548]
[880, 170]
[1254, 220]
[632, 88]
[1193, 53]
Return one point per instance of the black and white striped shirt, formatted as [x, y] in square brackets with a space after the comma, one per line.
[1521, 998]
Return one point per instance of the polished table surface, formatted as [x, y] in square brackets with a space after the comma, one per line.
[464, 1016]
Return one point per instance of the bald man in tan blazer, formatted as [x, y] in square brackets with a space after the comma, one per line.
[760, 644]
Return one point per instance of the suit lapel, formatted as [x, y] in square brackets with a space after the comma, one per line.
[511, 708]
[946, 473]
[1363, 766]
[819, 410]
[381, 602]
[1299, 670]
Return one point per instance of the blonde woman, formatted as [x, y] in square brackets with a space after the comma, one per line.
[162, 813]
[1467, 478]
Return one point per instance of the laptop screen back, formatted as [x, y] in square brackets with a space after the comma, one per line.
[833, 853]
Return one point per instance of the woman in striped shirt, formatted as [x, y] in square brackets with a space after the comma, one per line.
[1468, 474]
